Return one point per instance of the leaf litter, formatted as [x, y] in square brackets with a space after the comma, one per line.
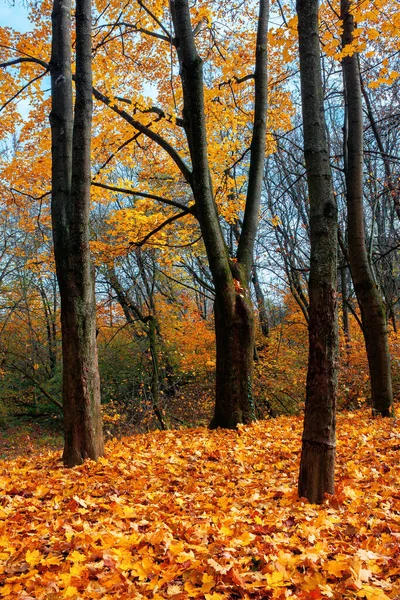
[205, 514]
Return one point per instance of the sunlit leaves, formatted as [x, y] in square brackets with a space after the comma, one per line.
[200, 514]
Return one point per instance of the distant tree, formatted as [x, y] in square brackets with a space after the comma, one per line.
[373, 314]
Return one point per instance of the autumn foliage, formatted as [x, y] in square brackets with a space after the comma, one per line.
[204, 514]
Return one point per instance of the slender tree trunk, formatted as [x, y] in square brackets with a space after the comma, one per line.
[155, 374]
[345, 311]
[132, 312]
[71, 136]
[371, 306]
[234, 322]
[51, 340]
[393, 188]
[316, 475]
[262, 309]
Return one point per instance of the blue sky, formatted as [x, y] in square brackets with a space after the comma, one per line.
[14, 16]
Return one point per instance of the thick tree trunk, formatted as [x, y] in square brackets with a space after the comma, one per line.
[233, 310]
[70, 215]
[316, 475]
[373, 315]
[234, 329]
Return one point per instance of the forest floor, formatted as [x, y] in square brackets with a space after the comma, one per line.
[201, 514]
[22, 437]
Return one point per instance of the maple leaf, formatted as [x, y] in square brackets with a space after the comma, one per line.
[32, 558]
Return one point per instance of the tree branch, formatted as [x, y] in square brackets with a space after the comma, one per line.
[135, 27]
[153, 109]
[146, 131]
[159, 228]
[258, 143]
[113, 188]
[22, 59]
[22, 89]
[161, 26]
[235, 79]
[38, 385]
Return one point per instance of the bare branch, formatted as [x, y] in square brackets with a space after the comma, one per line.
[121, 147]
[38, 385]
[22, 59]
[139, 29]
[237, 80]
[186, 285]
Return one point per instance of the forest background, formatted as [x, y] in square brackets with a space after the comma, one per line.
[153, 286]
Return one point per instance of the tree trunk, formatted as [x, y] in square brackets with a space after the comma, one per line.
[155, 373]
[133, 312]
[50, 330]
[234, 323]
[390, 180]
[262, 309]
[70, 216]
[316, 475]
[345, 311]
[373, 315]
[234, 330]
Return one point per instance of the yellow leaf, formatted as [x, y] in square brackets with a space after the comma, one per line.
[336, 567]
[372, 593]
[77, 557]
[246, 538]
[128, 512]
[143, 568]
[226, 531]
[373, 33]
[32, 558]
[76, 570]
[277, 579]
[174, 589]
[208, 583]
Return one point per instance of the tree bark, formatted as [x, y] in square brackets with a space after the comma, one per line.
[316, 475]
[155, 373]
[345, 311]
[71, 137]
[234, 322]
[373, 315]
[262, 309]
[234, 330]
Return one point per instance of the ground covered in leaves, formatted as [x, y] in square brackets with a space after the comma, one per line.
[204, 514]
